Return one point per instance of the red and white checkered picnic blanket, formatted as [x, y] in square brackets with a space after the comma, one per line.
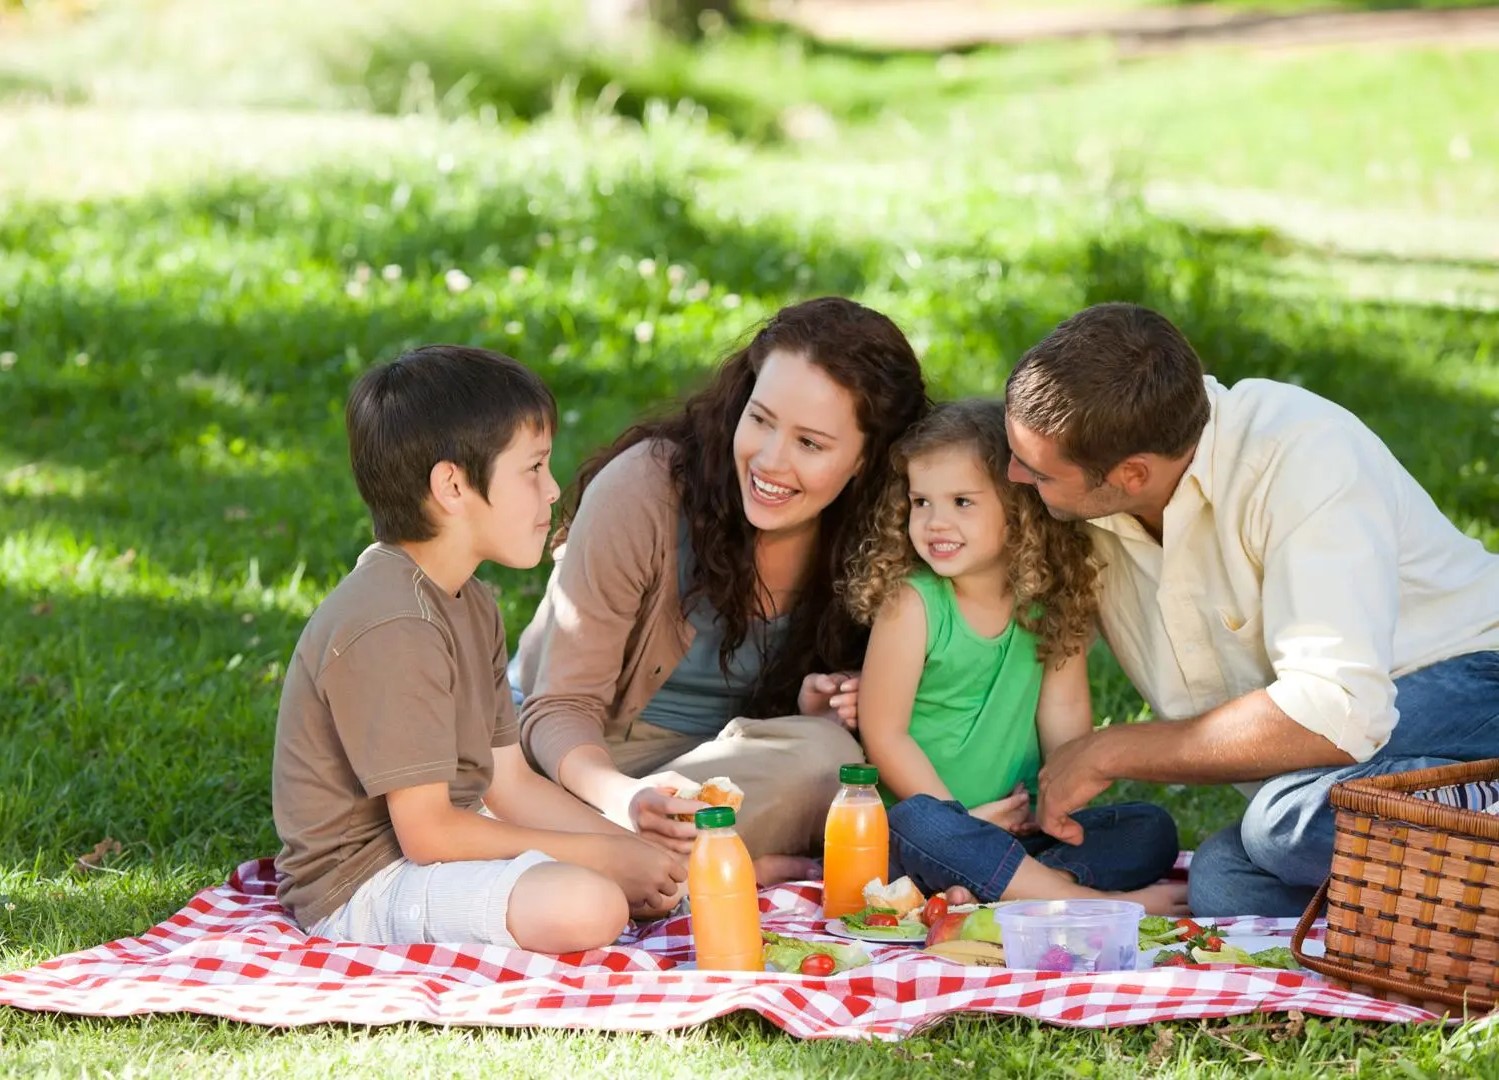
[234, 952]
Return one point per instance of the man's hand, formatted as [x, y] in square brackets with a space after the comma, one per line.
[1070, 779]
[1012, 813]
[652, 807]
[832, 696]
[652, 877]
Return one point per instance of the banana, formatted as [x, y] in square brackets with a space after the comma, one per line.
[985, 953]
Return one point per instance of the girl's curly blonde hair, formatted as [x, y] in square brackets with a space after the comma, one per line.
[1053, 574]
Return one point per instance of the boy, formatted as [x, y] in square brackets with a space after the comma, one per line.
[396, 730]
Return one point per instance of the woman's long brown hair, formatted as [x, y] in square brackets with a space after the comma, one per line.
[868, 356]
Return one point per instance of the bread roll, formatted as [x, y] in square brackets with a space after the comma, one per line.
[715, 791]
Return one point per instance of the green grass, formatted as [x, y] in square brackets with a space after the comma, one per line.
[177, 333]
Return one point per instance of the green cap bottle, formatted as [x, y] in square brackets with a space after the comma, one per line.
[714, 817]
[858, 774]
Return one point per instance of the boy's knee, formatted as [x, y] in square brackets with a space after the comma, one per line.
[558, 908]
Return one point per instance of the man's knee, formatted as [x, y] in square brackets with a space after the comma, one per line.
[1214, 864]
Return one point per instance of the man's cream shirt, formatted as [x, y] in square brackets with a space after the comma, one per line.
[1297, 556]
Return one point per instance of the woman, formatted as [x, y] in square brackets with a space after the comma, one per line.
[698, 585]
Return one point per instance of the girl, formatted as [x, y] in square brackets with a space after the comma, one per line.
[982, 605]
[691, 623]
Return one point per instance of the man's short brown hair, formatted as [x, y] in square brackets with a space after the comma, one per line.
[436, 403]
[1113, 380]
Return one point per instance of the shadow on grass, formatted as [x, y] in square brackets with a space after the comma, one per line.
[146, 720]
[209, 414]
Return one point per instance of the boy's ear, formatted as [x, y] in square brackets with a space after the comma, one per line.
[445, 483]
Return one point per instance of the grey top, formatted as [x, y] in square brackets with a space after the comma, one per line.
[697, 699]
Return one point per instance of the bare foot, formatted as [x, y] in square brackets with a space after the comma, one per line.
[1162, 898]
[774, 869]
[959, 895]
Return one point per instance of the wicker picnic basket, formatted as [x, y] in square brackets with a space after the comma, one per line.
[1413, 899]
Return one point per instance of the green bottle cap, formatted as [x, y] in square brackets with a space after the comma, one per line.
[858, 774]
[714, 817]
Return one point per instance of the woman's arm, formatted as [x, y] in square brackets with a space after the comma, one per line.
[887, 690]
[583, 629]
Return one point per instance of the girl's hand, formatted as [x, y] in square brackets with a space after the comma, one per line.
[653, 808]
[1012, 813]
[832, 696]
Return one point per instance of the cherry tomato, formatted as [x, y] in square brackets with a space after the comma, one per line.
[1214, 943]
[880, 918]
[818, 963]
[1192, 928]
[935, 908]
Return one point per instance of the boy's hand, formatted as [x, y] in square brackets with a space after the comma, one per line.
[653, 879]
[832, 696]
[652, 808]
[1012, 813]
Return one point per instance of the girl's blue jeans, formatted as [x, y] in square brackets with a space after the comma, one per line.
[939, 844]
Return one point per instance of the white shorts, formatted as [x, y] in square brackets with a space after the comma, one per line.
[450, 903]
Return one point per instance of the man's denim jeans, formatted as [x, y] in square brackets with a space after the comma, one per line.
[940, 844]
[1273, 860]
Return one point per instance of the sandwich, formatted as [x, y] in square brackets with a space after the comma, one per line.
[900, 896]
[715, 791]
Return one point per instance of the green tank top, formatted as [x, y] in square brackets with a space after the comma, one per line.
[975, 710]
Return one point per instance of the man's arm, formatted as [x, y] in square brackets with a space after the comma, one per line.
[1246, 739]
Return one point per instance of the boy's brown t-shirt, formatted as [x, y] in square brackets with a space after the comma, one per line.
[394, 683]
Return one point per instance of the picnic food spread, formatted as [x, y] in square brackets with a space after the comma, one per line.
[1204, 945]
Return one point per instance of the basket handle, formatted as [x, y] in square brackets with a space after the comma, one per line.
[1309, 916]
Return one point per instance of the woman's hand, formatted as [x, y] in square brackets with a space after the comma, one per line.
[1012, 813]
[832, 696]
[652, 807]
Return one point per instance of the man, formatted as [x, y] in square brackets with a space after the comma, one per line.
[1290, 602]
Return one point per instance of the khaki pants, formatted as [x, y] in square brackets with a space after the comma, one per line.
[786, 766]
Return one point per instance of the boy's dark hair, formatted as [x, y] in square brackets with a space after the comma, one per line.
[1113, 380]
[435, 403]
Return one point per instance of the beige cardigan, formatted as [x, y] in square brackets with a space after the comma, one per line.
[610, 628]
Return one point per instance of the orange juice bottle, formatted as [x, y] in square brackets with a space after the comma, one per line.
[721, 892]
[856, 844]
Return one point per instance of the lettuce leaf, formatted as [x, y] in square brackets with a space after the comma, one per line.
[1277, 956]
[1158, 930]
[904, 930]
[784, 953]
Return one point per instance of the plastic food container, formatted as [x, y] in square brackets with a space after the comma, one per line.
[1071, 935]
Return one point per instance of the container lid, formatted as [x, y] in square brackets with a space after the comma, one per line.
[714, 817]
[858, 774]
